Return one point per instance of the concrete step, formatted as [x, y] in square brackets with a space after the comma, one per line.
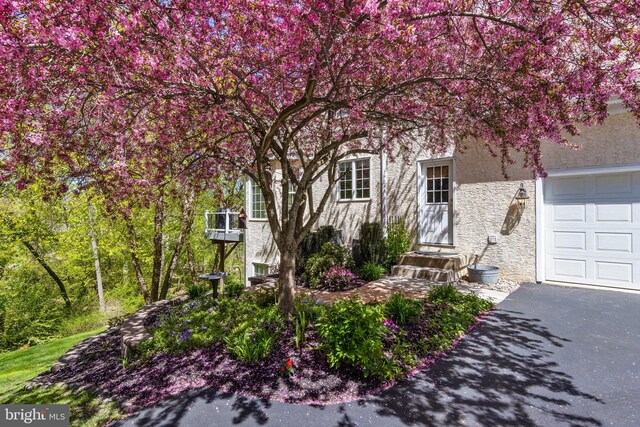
[443, 260]
[426, 273]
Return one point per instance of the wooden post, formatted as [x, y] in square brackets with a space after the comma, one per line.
[221, 265]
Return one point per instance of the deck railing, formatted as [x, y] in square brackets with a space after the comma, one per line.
[222, 221]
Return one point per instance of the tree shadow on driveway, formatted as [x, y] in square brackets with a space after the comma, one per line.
[502, 374]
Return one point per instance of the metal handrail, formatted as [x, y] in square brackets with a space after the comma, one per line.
[228, 220]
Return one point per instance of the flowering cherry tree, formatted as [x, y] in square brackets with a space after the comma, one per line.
[122, 93]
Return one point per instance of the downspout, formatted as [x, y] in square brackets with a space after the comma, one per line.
[383, 192]
[244, 240]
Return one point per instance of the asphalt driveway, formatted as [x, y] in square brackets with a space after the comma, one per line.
[548, 356]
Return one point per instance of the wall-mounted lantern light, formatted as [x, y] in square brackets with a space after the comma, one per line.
[522, 196]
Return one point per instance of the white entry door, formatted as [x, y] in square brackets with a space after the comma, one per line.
[434, 202]
[592, 229]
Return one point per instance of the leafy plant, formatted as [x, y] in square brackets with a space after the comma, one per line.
[396, 243]
[371, 271]
[372, 246]
[286, 369]
[312, 307]
[318, 264]
[252, 345]
[313, 242]
[233, 286]
[444, 293]
[301, 327]
[352, 334]
[196, 290]
[451, 314]
[200, 322]
[338, 278]
[403, 310]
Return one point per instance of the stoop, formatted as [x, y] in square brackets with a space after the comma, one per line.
[442, 267]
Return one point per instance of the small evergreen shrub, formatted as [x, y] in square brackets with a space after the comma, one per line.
[396, 244]
[312, 244]
[371, 271]
[372, 243]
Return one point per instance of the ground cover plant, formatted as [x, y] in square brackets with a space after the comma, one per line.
[323, 353]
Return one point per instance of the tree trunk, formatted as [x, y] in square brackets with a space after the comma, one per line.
[54, 276]
[286, 281]
[137, 266]
[191, 262]
[158, 222]
[186, 222]
[96, 259]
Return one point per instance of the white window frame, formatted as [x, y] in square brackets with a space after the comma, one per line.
[253, 194]
[291, 192]
[354, 180]
[257, 265]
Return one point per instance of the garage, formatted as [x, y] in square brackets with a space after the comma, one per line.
[591, 228]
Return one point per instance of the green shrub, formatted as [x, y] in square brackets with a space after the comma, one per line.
[233, 287]
[312, 244]
[318, 264]
[372, 243]
[403, 310]
[197, 290]
[371, 271]
[444, 293]
[396, 243]
[352, 335]
[263, 297]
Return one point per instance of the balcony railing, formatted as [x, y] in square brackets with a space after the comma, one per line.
[223, 225]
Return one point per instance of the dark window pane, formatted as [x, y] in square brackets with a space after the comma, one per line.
[437, 198]
[429, 197]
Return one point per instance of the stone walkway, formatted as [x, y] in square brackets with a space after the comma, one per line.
[417, 288]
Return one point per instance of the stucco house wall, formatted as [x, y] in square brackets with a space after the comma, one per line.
[344, 215]
[484, 203]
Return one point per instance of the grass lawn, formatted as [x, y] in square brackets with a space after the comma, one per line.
[18, 367]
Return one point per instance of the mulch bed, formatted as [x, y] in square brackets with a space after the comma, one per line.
[141, 385]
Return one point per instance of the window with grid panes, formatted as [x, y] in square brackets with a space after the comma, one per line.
[258, 205]
[260, 269]
[354, 182]
[290, 194]
[438, 184]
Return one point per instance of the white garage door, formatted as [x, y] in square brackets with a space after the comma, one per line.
[592, 229]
